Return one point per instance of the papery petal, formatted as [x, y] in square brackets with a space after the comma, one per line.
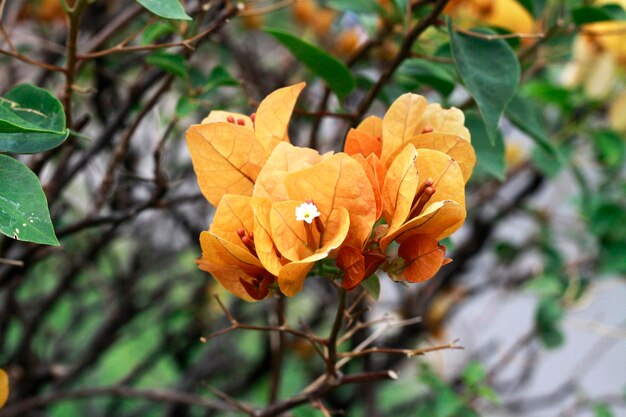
[423, 257]
[227, 263]
[401, 122]
[263, 242]
[284, 159]
[290, 235]
[234, 212]
[438, 119]
[223, 116]
[440, 220]
[338, 181]
[372, 126]
[452, 145]
[361, 143]
[401, 184]
[445, 171]
[352, 262]
[292, 275]
[272, 116]
[226, 159]
[373, 179]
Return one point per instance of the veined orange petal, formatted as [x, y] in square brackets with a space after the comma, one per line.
[272, 116]
[263, 242]
[446, 173]
[338, 181]
[452, 145]
[234, 212]
[373, 126]
[361, 143]
[223, 116]
[440, 220]
[373, 179]
[401, 122]
[423, 257]
[226, 159]
[352, 262]
[284, 159]
[292, 275]
[228, 263]
[438, 119]
[290, 235]
[401, 184]
[379, 170]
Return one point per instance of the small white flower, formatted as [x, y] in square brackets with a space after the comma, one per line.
[307, 212]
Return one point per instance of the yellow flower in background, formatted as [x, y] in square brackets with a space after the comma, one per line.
[617, 113]
[598, 55]
[505, 14]
[4, 388]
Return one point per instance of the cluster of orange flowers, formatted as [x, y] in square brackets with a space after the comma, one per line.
[281, 208]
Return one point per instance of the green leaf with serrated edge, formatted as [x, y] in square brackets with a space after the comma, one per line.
[527, 117]
[23, 207]
[31, 120]
[372, 286]
[168, 9]
[336, 74]
[171, 63]
[490, 71]
[489, 158]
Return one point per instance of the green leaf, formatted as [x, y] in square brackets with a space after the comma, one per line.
[156, 31]
[171, 63]
[551, 337]
[23, 207]
[185, 106]
[488, 393]
[415, 72]
[168, 9]
[336, 74]
[602, 410]
[490, 71]
[355, 6]
[490, 158]
[31, 120]
[527, 117]
[534, 6]
[372, 286]
[549, 312]
[220, 77]
[590, 14]
[610, 147]
[473, 373]
[546, 163]
[547, 285]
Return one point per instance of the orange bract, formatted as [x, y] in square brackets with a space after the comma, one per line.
[4, 388]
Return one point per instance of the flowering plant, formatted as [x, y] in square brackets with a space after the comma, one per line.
[281, 208]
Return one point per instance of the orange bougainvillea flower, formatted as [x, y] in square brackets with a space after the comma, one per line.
[282, 208]
[426, 159]
[228, 150]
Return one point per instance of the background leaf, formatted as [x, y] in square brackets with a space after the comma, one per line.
[168, 9]
[489, 157]
[527, 117]
[336, 74]
[23, 207]
[490, 71]
[31, 120]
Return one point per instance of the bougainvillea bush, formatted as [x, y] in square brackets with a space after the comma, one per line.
[312, 208]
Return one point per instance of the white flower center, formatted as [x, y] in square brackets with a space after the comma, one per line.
[307, 212]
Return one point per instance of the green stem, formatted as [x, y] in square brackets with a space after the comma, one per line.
[331, 369]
